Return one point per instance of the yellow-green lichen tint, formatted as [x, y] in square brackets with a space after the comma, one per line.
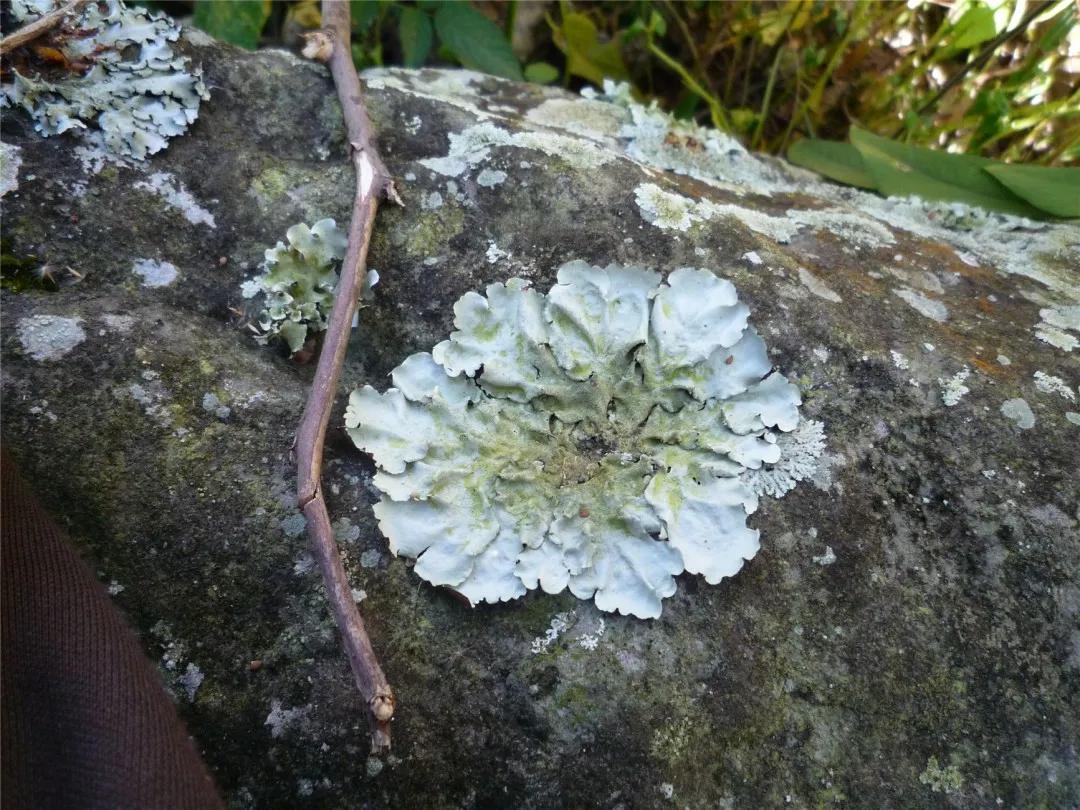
[298, 283]
[600, 438]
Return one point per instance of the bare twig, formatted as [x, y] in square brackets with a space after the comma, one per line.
[31, 31]
[372, 182]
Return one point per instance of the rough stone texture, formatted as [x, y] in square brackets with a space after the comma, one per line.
[908, 636]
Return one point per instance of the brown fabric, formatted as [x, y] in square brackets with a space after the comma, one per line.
[84, 719]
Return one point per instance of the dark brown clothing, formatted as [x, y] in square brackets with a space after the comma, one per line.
[84, 719]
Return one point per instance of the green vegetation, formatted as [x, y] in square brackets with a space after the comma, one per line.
[995, 79]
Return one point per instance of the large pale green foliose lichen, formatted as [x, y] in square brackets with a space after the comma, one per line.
[125, 89]
[298, 282]
[604, 438]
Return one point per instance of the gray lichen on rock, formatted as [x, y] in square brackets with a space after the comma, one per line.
[598, 438]
[945, 620]
[49, 337]
[135, 101]
[298, 283]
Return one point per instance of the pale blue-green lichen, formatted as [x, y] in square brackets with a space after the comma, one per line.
[49, 337]
[1019, 412]
[10, 161]
[668, 210]
[298, 282]
[133, 89]
[604, 437]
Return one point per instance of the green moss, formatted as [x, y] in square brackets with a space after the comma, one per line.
[271, 185]
[430, 233]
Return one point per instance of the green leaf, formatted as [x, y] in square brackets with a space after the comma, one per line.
[363, 14]
[974, 26]
[476, 41]
[586, 56]
[541, 73]
[416, 35]
[238, 22]
[837, 161]
[1054, 190]
[901, 169]
[657, 23]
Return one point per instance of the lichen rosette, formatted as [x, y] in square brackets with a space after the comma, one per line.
[601, 438]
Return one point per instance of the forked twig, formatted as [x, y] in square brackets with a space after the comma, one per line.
[31, 31]
[372, 182]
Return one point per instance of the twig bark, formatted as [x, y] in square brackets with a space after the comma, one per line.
[31, 31]
[372, 182]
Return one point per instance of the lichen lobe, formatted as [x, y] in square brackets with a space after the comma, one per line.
[604, 438]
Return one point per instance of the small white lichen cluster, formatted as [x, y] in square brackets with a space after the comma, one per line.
[953, 389]
[604, 437]
[136, 91]
[658, 139]
[298, 281]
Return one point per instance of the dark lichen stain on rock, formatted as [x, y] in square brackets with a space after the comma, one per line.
[945, 631]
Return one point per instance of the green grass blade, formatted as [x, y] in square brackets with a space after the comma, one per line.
[901, 169]
[837, 161]
[1053, 190]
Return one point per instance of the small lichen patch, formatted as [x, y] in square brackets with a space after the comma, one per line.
[175, 195]
[154, 273]
[592, 119]
[212, 405]
[928, 307]
[10, 161]
[899, 360]
[668, 210]
[601, 438]
[298, 282]
[559, 624]
[489, 178]
[1059, 326]
[800, 451]
[49, 337]
[817, 286]
[473, 146]
[1019, 412]
[137, 94]
[953, 389]
[1049, 384]
[942, 779]
[294, 525]
[191, 680]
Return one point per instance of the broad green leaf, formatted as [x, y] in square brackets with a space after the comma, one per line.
[974, 26]
[900, 169]
[238, 22]
[1054, 190]
[837, 161]
[363, 14]
[476, 41]
[541, 73]
[586, 56]
[416, 35]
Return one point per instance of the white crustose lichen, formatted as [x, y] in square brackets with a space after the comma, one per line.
[604, 437]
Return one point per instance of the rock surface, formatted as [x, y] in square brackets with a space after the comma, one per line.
[908, 636]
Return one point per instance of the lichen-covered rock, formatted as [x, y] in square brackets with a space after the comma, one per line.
[119, 75]
[908, 634]
[598, 438]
